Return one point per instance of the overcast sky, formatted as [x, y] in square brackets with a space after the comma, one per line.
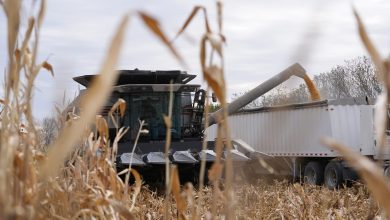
[263, 38]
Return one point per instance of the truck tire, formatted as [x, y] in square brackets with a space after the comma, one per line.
[313, 173]
[333, 175]
[386, 171]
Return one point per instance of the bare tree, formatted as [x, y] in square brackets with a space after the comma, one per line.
[49, 130]
[355, 78]
[363, 76]
[255, 103]
[278, 96]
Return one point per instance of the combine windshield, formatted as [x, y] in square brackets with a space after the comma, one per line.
[150, 107]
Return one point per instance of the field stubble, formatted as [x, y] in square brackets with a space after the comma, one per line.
[276, 199]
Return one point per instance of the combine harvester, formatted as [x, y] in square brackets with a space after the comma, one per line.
[286, 137]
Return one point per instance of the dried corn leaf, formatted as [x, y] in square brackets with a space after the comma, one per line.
[27, 57]
[369, 171]
[102, 126]
[181, 206]
[41, 13]
[219, 13]
[383, 70]
[48, 67]
[189, 19]
[137, 189]
[380, 119]
[12, 10]
[167, 121]
[90, 142]
[203, 52]
[216, 43]
[215, 79]
[123, 172]
[122, 131]
[375, 56]
[27, 35]
[91, 103]
[121, 105]
[213, 74]
[154, 26]
[17, 54]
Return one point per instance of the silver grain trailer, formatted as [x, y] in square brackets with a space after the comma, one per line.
[288, 138]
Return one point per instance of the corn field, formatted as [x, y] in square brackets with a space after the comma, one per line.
[68, 180]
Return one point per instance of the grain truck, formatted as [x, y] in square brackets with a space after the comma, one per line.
[287, 138]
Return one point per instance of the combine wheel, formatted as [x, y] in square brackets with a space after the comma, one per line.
[333, 175]
[314, 173]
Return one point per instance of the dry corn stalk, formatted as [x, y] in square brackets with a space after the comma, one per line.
[82, 183]
[168, 126]
[371, 173]
[383, 67]
[119, 106]
[90, 103]
[213, 73]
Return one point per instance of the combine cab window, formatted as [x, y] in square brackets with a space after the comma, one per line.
[151, 108]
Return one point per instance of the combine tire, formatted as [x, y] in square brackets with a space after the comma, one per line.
[314, 173]
[333, 175]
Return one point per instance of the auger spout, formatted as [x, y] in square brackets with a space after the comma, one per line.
[295, 69]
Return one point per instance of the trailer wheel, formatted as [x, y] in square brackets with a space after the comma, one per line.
[314, 173]
[333, 175]
[386, 171]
